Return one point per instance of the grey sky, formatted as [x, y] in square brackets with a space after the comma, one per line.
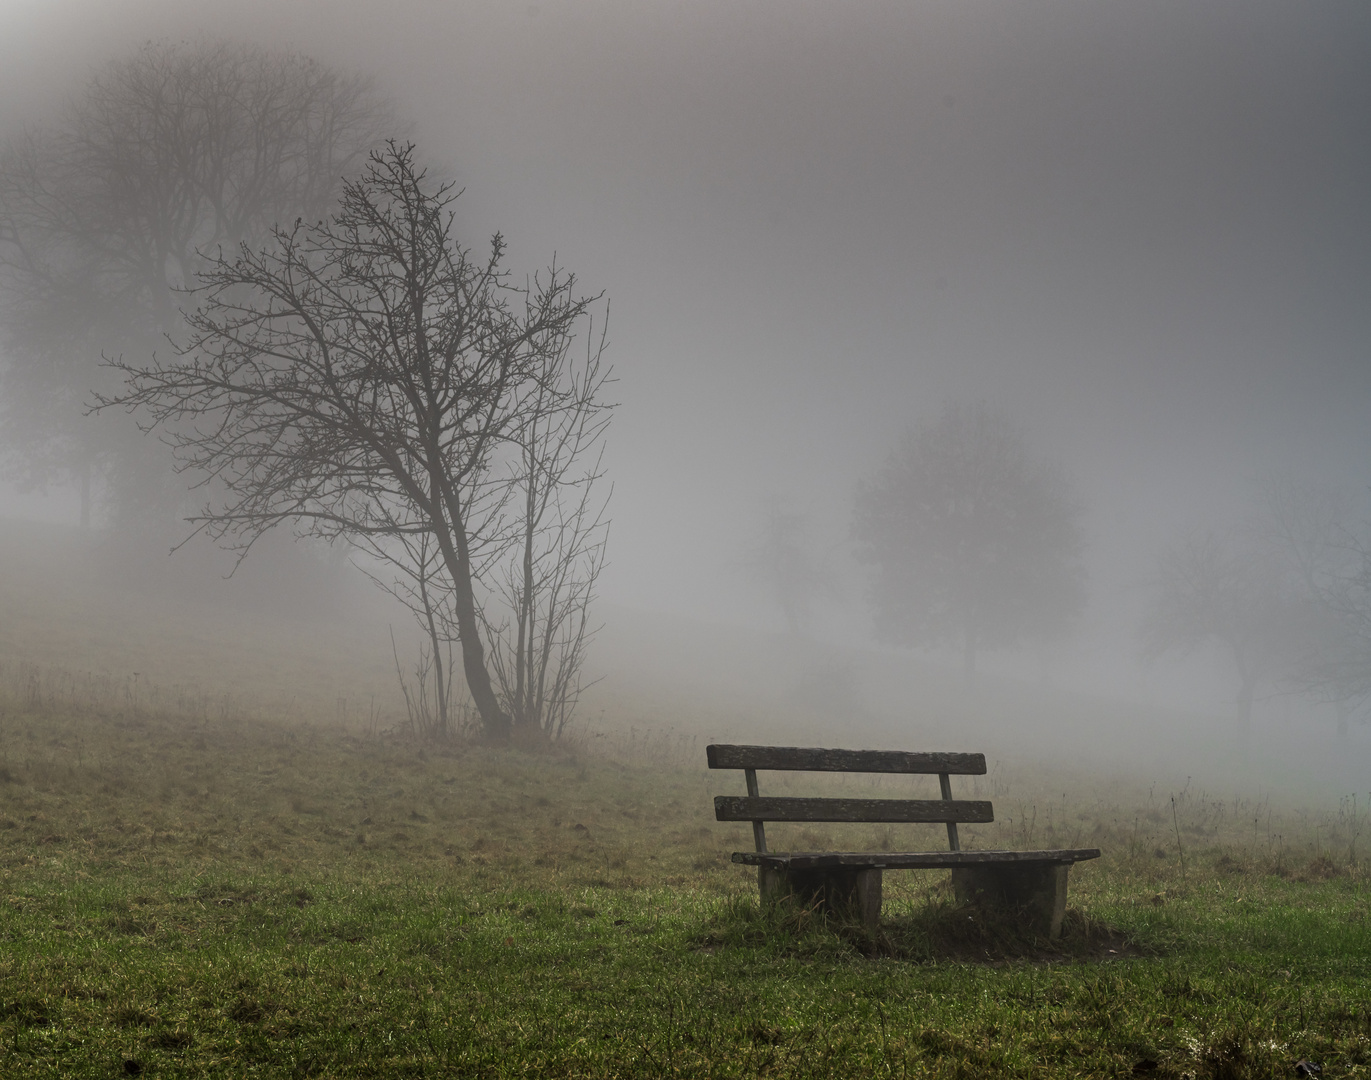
[1143, 227]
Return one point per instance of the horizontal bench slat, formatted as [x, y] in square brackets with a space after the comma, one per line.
[907, 860]
[818, 759]
[776, 808]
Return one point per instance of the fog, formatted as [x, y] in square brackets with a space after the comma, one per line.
[1142, 229]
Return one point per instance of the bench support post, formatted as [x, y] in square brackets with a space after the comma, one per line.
[851, 892]
[1037, 889]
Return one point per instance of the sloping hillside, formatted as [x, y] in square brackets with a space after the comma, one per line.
[303, 638]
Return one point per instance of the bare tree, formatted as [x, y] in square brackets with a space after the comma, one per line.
[162, 159]
[1343, 673]
[1210, 589]
[972, 541]
[781, 562]
[365, 378]
[1308, 529]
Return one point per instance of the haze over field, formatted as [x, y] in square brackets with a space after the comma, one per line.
[1142, 230]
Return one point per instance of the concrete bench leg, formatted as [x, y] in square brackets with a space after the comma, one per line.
[1037, 889]
[850, 892]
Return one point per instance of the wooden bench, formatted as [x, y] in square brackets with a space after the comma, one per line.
[1033, 882]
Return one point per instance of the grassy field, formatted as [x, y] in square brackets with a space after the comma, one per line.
[220, 856]
[221, 896]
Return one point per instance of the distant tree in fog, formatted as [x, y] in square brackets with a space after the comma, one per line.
[160, 160]
[1210, 589]
[973, 542]
[782, 563]
[367, 379]
[1343, 672]
[1311, 530]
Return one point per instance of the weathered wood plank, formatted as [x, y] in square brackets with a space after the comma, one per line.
[908, 860]
[776, 808]
[818, 759]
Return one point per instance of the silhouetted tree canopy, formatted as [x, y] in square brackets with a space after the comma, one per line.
[973, 543]
[161, 159]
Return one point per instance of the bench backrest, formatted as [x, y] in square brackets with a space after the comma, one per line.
[758, 809]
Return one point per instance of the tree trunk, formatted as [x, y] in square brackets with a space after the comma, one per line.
[494, 720]
[450, 532]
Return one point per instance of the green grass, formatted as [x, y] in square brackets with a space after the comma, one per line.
[235, 897]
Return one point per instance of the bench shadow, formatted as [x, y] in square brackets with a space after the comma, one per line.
[937, 929]
[943, 929]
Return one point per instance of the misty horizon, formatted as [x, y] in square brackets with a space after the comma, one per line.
[1142, 231]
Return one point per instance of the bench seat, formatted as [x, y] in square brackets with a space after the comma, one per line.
[907, 860]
